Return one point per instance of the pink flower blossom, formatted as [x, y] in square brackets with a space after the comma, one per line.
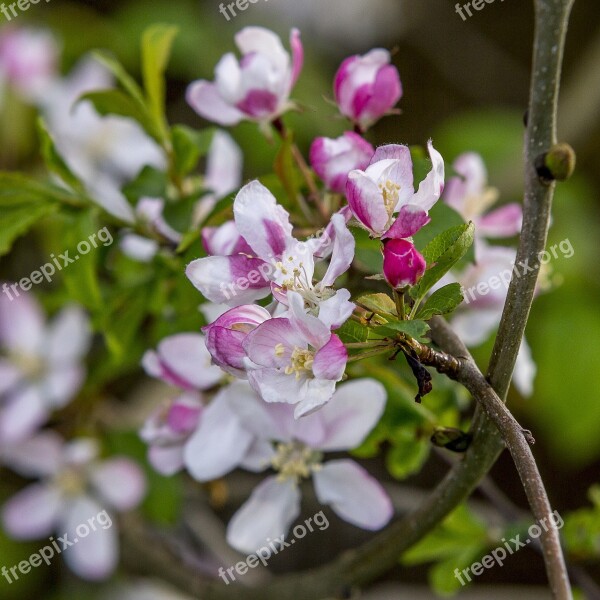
[403, 265]
[40, 365]
[295, 359]
[75, 488]
[294, 449]
[28, 60]
[367, 87]
[333, 159]
[255, 88]
[383, 198]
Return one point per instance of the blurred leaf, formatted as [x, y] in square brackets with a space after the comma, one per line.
[369, 257]
[441, 254]
[442, 301]
[54, 162]
[157, 42]
[18, 219]
[407, 455]
[129, 84]
[189, 146]
[150, 183]
[287, 171]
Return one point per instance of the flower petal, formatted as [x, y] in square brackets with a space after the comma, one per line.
[410, 219]
[432, 186]
[204, 98]
[219, 444]
[330, 360]
[351, 414]
[502, 222]
[366, 201]
[93, 556]
[120, 482]
[68, 337]
[21, 322]
[343, 251]
[353, 494]
[39, 456]
[166, 460]
[263, 223]
[32, 513]
[268, 513]
[335, 311]
[22, 414]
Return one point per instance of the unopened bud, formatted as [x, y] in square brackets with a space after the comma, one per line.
[557, 164]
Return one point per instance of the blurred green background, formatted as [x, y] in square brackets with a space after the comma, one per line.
[465, 86]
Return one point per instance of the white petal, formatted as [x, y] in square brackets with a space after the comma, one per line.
[268, 513]
[120, 482]
[32, 513]
[68, 337]
[39, 456]
[525, 370]
[353, 494]
[21, 323]
[22, 414]
[263, 41]
[223, 165]
[335, 311]
[9, 375]
[166, 460]
[219, 444]
[95, 554]
[352, 413]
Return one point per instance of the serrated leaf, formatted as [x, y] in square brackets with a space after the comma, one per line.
[441, 254]
[157, 42]
[415, 329]
[54, 161]
[352, 332]
[378, 303]
[442, 301]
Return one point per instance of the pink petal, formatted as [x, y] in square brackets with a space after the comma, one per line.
[335, 311]
[502, 222]
[351, 414]
[224, 240]
[166, 460]
[314, 331]
[410, 219]
[21, 322]
[366, 201]
[263, 223]
[275, 334]
[120, 482]
[260, 40]
[69, 336]
[378, 98]
[268, 513]
[259, 104]
[432, 186]
[32, 513]
[39, 456]
[297, 54]
[342, 253]
[22, 414]
[9, 375]
[353, 494]
[330, 360]
[96, 553]
[204, 98]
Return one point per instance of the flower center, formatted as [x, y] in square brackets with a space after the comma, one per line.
[295, 461]
[390, 192]
[32, 366]
[71, 482]
[301, 362]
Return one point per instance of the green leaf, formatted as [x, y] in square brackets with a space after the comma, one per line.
[189, 146]
[441, 254]
[54, 161]
[286, 169]
[116, 102]
[18, 219]
[415, 329]
[381, 304]
[407, 455]
[352, 332]
[157, 42]
[81, 277]
[442, 301]
[150, 183]
[118, 70]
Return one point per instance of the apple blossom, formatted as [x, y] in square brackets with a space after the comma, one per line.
[386, 188]
[75, 487]
[41, 366]
[367, 87]
[333, 159]
[255, 88]
[294, 449]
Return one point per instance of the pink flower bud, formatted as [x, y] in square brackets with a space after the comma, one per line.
[367, 87]
[402, 263]
[333, 159]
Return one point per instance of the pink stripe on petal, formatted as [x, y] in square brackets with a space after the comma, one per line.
[410, 219]
[330, 360]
